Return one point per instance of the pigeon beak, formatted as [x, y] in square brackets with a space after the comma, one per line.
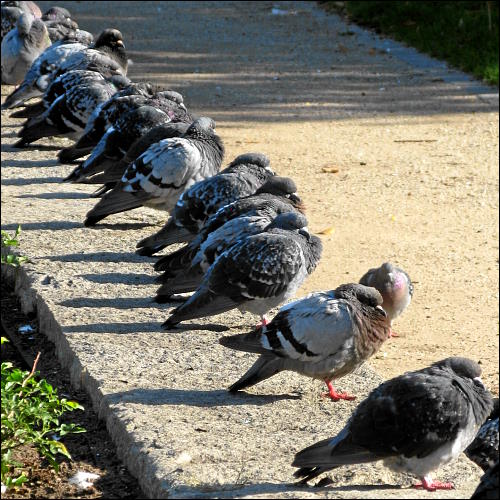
[382, 310]
[479, 381]
[120, 42]
[305, 232]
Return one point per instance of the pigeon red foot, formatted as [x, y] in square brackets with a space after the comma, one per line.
[334, 395]
[392, 333]
[263, 322]
[430, 485]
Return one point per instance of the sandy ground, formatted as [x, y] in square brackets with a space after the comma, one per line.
[416, 183]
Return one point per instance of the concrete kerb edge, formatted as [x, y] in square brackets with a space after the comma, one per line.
[129, 452]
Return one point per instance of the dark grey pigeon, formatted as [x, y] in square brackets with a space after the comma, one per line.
[242, 177]
[126, 127]
[12, 11]
[38, 77]
[325, 335]
[484, 449]
[114, 143]
[164, 171]
[487, 489]
[69, 113]
[59, 23]
[102, 118]
[256, 274]
[415, 423]
[58, 87]
[395, 286]
[21, 46]
[184, 268]
[130, 99]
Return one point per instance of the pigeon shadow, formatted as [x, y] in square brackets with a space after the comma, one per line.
[54, 225]
[56, 196]
[192, 397]
[116, 257]
[31, 180]
[122, 278]
[28, 163]
[116, 303]
[120, 328]
[124, 226]
[197, 327]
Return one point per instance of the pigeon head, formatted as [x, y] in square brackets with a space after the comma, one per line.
[24, 23]
[365, 294]
[201, 127]
[279, 186]
[173, 96]
[259, 159]
[109, 38]
[120, 81]
[56, 14]
[463, 367]
[291, 221]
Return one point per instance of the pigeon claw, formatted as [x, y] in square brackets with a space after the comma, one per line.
[392, 333]
[334, 395]
[263, 322]
[431, 485]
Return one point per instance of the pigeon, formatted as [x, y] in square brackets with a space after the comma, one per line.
[183, 275]
[12, 11]
[58, 87]
[228, 224]
[487, 489]
[38, 77]
[242, 177]
[256, 274]
[114, 143]
[164, 171]
[325, 335]
[114, 173]
[106, 55]
[126, 127]
[21, 46]
[415, 423]
[70, 111]
[131, 98]
[484, 449]
[101, 119]
[59, 23]
[395, 286]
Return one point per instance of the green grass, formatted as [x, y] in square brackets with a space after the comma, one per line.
[461, 33]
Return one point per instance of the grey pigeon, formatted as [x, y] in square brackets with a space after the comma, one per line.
[255, 275]
[415, 423]
[187, 277]
[70, 111]
[106, 55]
[132, 123]
[395, 286]
[38, 77]
[59, 24]
[12, 11]
[484, 449]
[487, 489]
[325, 335]
[166, 169]
[102, 118]
[242, 177]
[114, 143]
[234, 219]
[58, 87]
[21, 46]
[113, 173]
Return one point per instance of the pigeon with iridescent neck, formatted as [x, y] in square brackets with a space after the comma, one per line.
[395, 286]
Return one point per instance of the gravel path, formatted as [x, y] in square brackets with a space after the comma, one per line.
[416, 152]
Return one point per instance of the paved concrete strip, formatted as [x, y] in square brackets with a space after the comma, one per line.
[163, 394]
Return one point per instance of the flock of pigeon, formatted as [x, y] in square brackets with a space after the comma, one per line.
[247, 247]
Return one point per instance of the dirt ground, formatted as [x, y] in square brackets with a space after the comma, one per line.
[92, 451]
[394, 162]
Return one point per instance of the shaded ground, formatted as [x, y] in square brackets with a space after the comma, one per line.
[417, 184]
[92, 451]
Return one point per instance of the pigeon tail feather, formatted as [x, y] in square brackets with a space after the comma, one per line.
[263, 368]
